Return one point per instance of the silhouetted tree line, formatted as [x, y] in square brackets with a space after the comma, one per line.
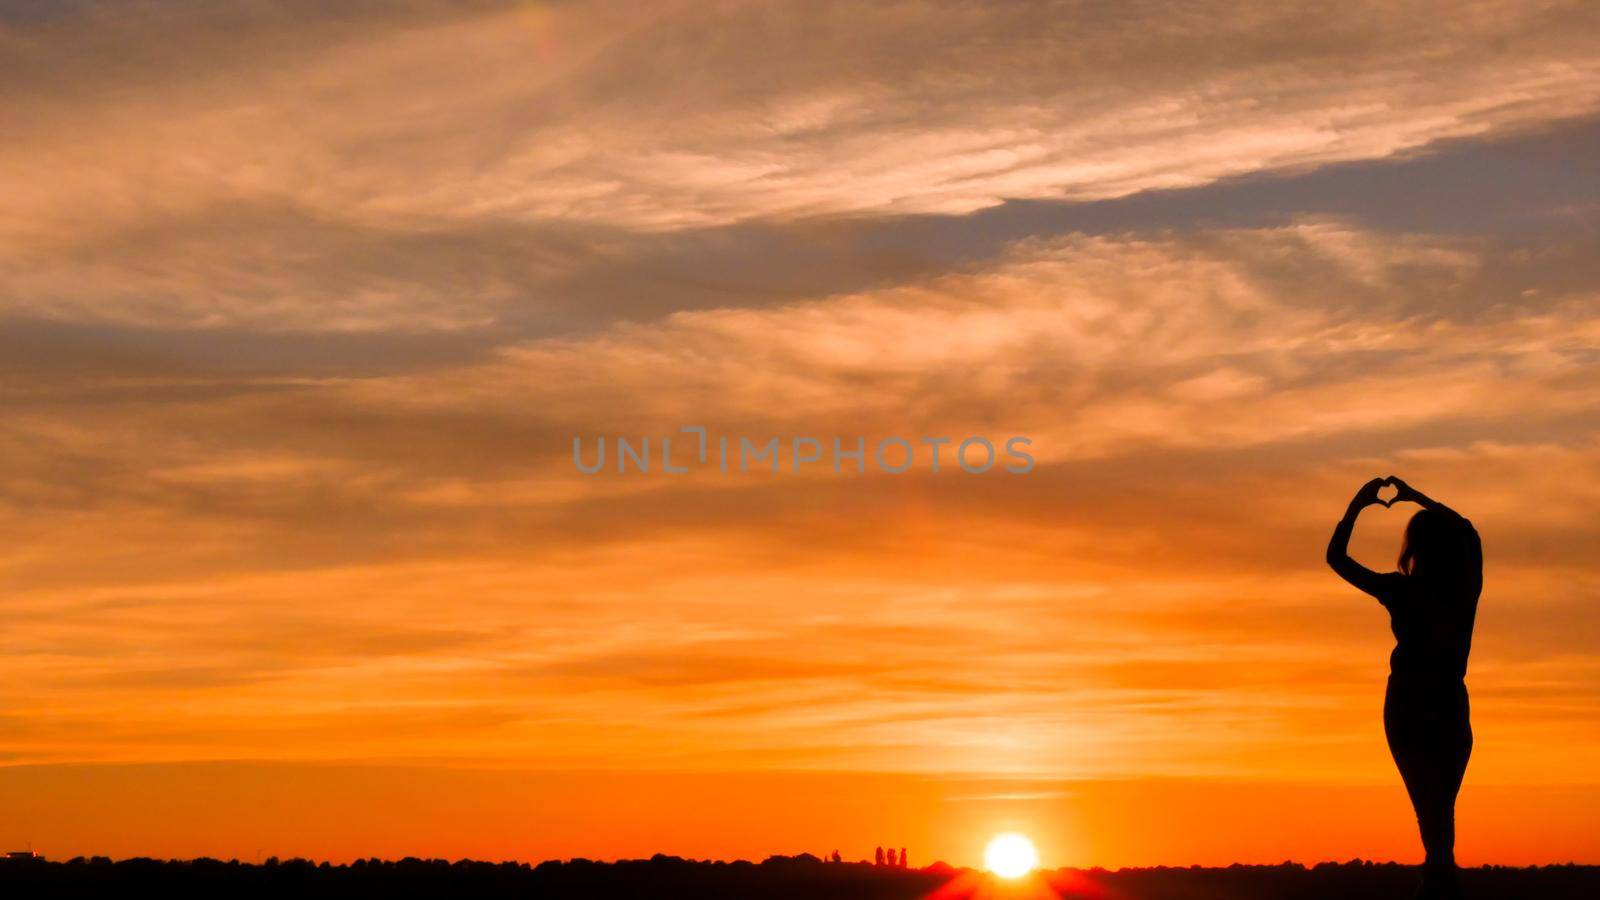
[883, 858]
[776, 878]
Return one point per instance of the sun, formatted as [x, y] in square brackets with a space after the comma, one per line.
[1010, 855]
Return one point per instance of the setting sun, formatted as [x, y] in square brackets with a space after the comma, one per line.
[1010, 856]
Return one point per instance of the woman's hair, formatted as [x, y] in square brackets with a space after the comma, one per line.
[1436, 543]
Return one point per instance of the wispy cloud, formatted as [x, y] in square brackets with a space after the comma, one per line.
[1190, 396]
[135, 194]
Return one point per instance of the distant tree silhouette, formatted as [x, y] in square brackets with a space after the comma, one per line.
[877, 857]
[902, 857]
[778, 878]
[836, 857]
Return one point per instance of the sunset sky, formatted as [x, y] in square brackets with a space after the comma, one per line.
[301, 310]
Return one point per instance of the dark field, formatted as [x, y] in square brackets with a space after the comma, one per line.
[778, 878]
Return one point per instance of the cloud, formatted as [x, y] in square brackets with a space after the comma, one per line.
[422, 168]
[286, 561]
[1090, 345]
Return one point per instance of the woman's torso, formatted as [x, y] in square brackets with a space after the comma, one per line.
[1432, 624]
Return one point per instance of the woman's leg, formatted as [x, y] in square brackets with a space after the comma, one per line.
[1449, 748]
[1401, 727]
[1430, 737]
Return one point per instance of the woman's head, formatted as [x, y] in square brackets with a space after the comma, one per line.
[1435, 544]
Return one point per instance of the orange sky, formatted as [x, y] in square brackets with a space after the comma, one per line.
[300, 313]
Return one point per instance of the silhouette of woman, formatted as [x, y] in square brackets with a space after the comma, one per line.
[1432, 601]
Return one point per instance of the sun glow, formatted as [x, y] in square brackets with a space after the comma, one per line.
[1010, 856]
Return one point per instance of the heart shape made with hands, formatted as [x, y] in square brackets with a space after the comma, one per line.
[1394, 493]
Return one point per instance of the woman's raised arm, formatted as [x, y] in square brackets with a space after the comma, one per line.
[1339, 545]
[1407, 493]
[1472, 544]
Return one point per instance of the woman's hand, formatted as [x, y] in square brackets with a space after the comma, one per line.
[1404, 493]
[1409, 494]
[1368, 495]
